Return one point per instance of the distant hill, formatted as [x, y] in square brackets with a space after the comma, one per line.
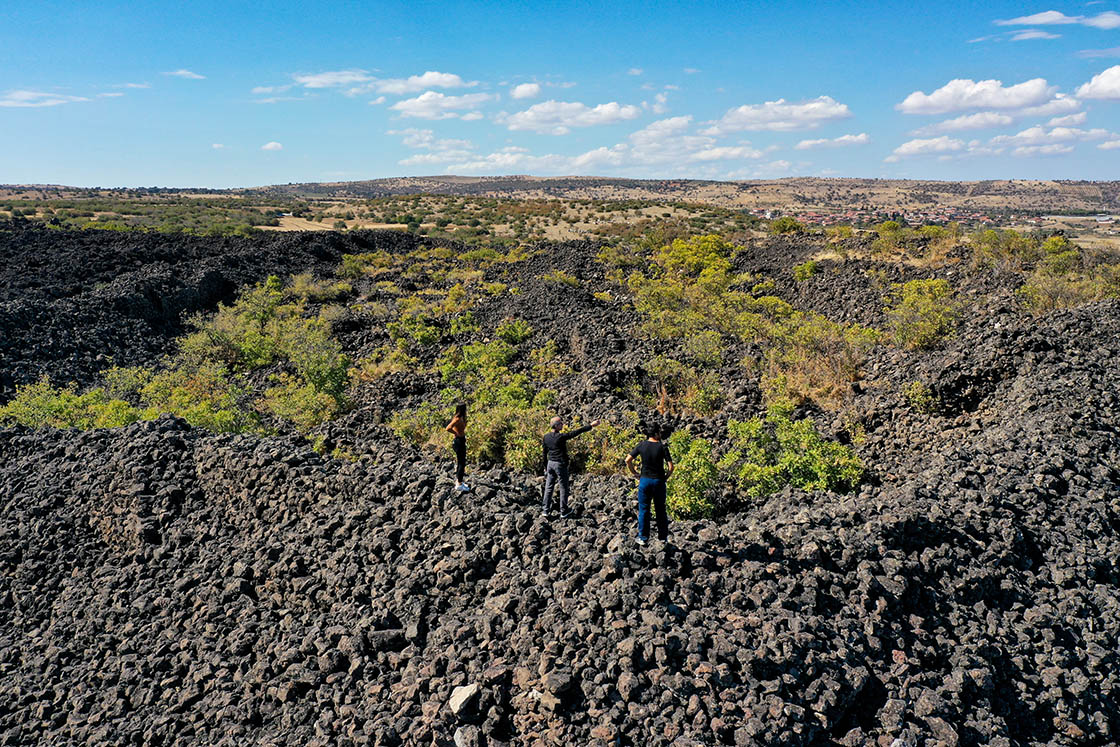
[801, 193]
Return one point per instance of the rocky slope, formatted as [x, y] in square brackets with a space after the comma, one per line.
[162, 585]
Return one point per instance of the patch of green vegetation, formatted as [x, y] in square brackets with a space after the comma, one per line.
[786, 225]
[561, 278]
[922, 312]
[766, 454]
[805, 270]
[514, 331]
[41, 405]
[1064, 277]
[919, 397]
[695, 475]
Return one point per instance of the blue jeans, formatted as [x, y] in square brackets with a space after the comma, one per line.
[555, 472]
[652, 491]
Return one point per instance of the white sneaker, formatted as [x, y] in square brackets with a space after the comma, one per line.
[464, 488]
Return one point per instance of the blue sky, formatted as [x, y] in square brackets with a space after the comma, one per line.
[227, 94]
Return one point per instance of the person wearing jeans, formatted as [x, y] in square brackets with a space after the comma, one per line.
[657, 467]
[555, 444]
[458, 428]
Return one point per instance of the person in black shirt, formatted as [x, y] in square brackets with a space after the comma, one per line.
[657, 467]
[555, 446]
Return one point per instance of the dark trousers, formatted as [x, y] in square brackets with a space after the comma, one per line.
[459, 446]
[652, 491]
[555, 472]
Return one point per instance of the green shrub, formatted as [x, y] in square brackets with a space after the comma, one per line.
[299, 403]
[695, 476]
[768, 454]
[804, 271]
[562, 278]
[41, 405]
[306, 287]
[919, 397]
[514, 331]
[205, 397]
[922, 312]
[786, 225]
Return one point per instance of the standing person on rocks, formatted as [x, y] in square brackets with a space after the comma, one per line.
[556, 463]
[458, 428]
[657, 468]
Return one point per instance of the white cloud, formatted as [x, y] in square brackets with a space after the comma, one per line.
[427, 140]
[780, 116]
[377, 101]
[691, 71]
[471, 116]
[332, 79]
[415, 83]
[978, 121]
[635, 71]
[1103, 85]
[1068, 120]
[434, 105]
[925, 147]
[558, 117]
[660, 103]
[1090, 54]
[31, 99]
[272, 146]
[186, 74]
[726, 153]
[962, 94]
[1029, 34]
[133, 85]
[1110, 145]
[1029, 151]
[1039, 135]
[837, 142]
[1061, 104]
[525, 91]
[260, 90]
[1107, 20]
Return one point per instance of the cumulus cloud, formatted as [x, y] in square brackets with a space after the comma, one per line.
[978, 121]
[635, 71]
[32, 99]
[559, 117]
[1060, 104]
[525, 91]
[1067, 121]
[780, 116]
[1110, 145]
[261, 90]
[925, 147]
[1107, 20]
[843, 141]
[1038, 136]
[1103, 85]
[471, 116]
[1029, 151]
[272, 146]
[217, 146]
[1029, 34]
[332, 78]
[962, 94]
[415, 83]
[434, 105]
[181, 73]
[660, 103]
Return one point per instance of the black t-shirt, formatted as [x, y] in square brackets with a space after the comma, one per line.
[654, 454]
[556, 444]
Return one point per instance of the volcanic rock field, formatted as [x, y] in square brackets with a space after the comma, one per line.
[163, 585]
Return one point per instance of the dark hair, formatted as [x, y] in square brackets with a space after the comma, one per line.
[461, 410]
[652, 429]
